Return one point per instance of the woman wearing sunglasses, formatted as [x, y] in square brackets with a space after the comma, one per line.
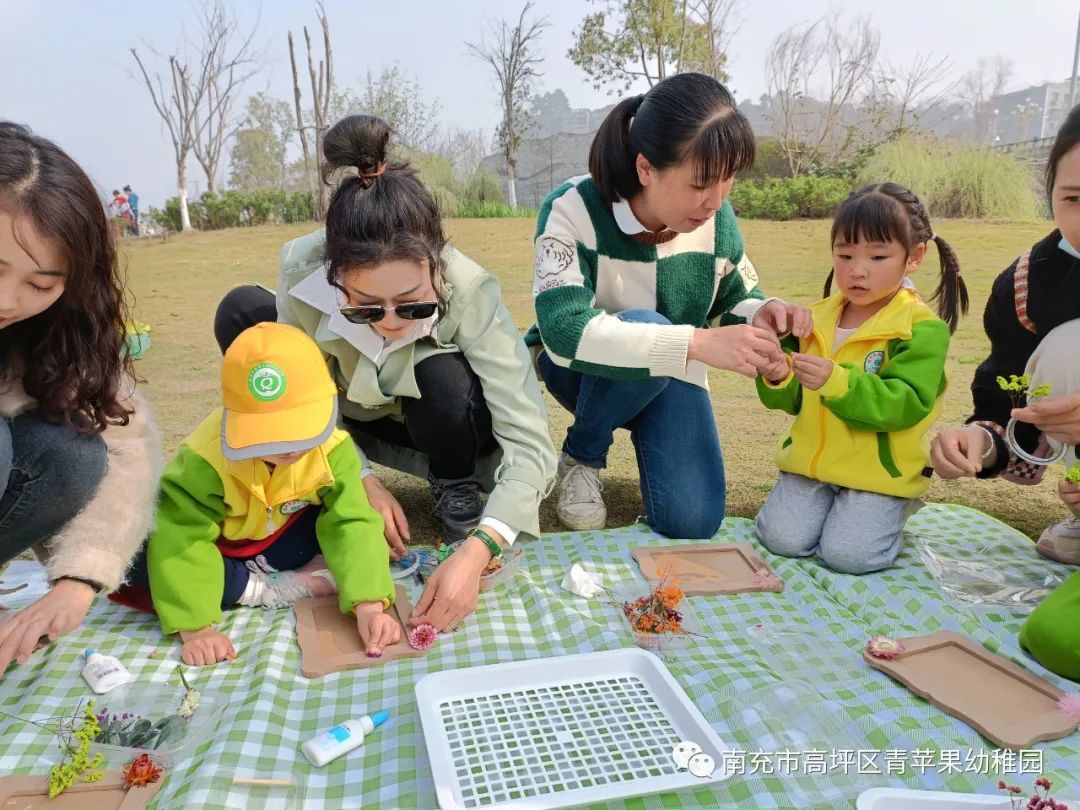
[434, 378]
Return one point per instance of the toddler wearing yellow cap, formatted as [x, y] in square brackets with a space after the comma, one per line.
[253, 496]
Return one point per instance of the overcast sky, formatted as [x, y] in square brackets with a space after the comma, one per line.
[66, 66]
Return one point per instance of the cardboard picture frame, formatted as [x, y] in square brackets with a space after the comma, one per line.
[22, 792]
[329, 641]
[710, 568]
[1007, 704]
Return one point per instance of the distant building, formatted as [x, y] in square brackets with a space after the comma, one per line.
[1030, 114]
[555, 148]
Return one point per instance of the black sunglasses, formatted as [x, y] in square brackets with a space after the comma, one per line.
[373, 313]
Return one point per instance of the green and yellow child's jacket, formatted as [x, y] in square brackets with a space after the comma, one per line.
[208, 501]
[868, 427]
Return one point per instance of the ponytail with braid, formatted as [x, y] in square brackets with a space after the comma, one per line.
[887, 212]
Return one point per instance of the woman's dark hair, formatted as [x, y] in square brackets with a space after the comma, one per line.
[72, 356]
[689, 116]
[887, 212]
[382, 212]
[1068, 137]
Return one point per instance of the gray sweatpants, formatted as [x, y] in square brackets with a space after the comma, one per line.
[853, 532]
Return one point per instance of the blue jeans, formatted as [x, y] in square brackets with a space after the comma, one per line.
[295, 548]
[48, 473]
[673, 429]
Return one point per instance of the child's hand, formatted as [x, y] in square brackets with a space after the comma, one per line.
[812, 372]
[961, 452]
[205, 647]
[778, 371]
[395, 525]
[1070, 495]
[377, 628]
[783, 318]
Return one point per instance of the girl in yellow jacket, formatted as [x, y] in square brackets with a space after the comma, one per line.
[865, 388]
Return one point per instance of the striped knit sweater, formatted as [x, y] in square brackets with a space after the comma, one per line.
[588, 270]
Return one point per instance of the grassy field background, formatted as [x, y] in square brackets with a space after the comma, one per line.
[177, 285]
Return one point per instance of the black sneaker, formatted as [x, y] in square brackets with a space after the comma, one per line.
[457, 506]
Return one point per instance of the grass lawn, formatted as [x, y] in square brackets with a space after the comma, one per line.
[177, 285]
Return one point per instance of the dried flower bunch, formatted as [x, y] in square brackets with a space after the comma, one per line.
[1039, 800]
[656, 613]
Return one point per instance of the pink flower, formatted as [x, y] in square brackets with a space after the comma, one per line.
[422, 637]
[884, 647]
[767, 581]
[1070, 705]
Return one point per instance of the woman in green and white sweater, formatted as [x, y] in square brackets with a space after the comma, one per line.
[641, 284]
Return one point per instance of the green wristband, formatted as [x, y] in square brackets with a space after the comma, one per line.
[489, 541]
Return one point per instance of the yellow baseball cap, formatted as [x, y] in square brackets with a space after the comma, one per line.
[277, 393]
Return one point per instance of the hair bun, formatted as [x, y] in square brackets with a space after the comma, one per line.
[357, 142]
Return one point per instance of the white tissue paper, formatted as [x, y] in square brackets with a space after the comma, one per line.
[580, 582]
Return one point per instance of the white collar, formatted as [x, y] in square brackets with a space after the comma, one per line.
[627, 221]
[1068, 248]
[317, 292]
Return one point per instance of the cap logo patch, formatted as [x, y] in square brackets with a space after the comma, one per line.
[266, 382]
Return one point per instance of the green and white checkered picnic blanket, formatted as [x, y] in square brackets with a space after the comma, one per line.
[260, 709]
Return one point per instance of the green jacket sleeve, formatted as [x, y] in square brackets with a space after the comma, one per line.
[495, 351]
[187, 573]
[350, 534]
[785, 396]
[903, 393]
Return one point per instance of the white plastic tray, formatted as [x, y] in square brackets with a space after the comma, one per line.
[560, 732]
[904, 799]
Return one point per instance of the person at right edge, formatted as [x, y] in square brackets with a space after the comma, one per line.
[1033, 322]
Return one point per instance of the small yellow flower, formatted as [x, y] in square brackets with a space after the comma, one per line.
[1040, 391]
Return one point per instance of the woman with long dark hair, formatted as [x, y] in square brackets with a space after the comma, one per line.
[79, 454]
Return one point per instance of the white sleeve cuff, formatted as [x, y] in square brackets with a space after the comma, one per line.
[507, 534]
[748, 307]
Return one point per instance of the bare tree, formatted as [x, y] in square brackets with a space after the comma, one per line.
[514, 59]
[815, 74]
[464, 148]
[176, 105]
[977, 89]
[717, 18]
[910, 93]
[228, 58]
[322, 92]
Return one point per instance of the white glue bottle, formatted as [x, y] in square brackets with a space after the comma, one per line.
[341, 739]
[104, 672]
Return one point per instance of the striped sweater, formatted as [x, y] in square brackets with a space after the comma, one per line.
[588, 270]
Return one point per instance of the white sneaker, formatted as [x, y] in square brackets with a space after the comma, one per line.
[1061, 542]
[275, 590]
[580, 505]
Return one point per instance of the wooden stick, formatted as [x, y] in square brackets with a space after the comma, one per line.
[243, 780]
